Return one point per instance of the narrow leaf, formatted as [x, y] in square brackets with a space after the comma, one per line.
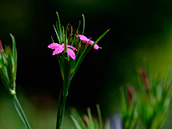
[59, 25]
[83, 28]
[99, 116]
[77, 125]
[52, 39]
[58, 36]
[66, 38]
[79, 61]
[97, 40]
[59, 108]
[14, 58]
[79, 120]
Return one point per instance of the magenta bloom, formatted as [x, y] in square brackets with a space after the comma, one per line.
[60, 48]
[84, 39]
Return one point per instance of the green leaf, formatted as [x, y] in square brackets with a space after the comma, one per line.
[84, 52]
[83, 28]
[66, 40]
[58, 36]
[59, 25]
[77, 125]
[97, 40]
[99, 116]
[14, 55]
[52, 39]
[77, 120]
[79, 61]
[90, 119]
[78, 26]
[59, 108]
[4, 77]
[123, 103]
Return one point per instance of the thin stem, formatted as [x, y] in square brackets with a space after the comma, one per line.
[99, 116]
[20, 111]
[60, 112]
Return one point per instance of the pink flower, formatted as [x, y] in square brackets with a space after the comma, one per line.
[60, 48]
[84, 39]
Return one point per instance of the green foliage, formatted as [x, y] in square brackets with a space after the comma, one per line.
[69, 66]
[8, 65]
[156, 101]
[8, 70]
[87, 122]
[68, 36]
[150, 103]
[130, 109]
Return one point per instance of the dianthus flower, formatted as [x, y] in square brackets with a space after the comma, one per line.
[60, 48]
[84, 39]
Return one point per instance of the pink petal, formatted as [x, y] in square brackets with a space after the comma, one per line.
[58, 50]
[84, 38]
[96, 47]
[71, 53]
[54, 45]
[72, 47]
[54, 52]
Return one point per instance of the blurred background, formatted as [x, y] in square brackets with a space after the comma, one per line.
[139, 30]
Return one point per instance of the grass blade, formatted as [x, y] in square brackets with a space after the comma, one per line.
[58, 36]
[97, 40]
[99, 116]
[59, 23]
[78, 120]
[83, 28]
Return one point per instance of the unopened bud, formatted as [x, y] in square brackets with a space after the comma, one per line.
[1, 48]
[85, 119]
[145, 79]
[130, 93]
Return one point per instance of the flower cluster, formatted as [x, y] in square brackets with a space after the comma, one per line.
[71, 47]
[60, 48]
[150, 104]
[8, 66]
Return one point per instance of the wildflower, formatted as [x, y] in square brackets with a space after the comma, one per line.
[84, 39]
[60, 48]
[68, 42]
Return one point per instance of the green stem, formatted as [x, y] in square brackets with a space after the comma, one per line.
[20, 111]
[60, 113]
